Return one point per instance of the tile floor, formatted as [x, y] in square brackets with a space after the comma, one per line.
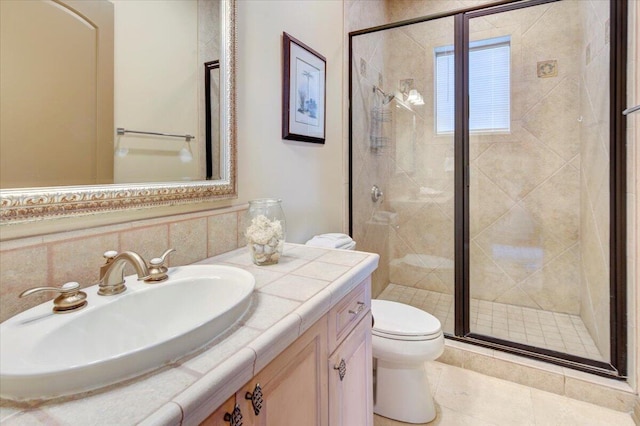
[464, 397]
[551, 330]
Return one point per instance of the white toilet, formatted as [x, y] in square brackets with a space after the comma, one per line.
[404, 338]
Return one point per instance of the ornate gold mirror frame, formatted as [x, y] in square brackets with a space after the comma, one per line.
[24, 205]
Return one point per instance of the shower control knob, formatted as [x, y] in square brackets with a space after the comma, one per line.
[376, 194]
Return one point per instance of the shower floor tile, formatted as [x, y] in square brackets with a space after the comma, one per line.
[551, 330]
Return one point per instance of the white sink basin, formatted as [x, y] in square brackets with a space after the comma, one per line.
[45, 355]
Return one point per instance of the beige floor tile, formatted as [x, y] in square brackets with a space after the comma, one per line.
[448, 417]
[444, 417]
[485, 398]
[554, 410]
[465, 397]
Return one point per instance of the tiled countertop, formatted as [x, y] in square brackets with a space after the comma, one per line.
[289, 297]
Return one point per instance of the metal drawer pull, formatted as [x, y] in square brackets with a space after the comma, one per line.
[359, 309]
[255, 398]
[235, 418]
[342, 369]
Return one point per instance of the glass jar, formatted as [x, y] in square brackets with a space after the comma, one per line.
[266, 230]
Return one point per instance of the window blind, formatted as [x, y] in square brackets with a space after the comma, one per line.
[489, 86]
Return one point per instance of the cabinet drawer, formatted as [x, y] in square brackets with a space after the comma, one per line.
[348, 312]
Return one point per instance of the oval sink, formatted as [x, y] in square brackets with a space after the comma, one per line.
[46, 355]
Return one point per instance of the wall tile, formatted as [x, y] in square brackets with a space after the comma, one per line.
[222, 233]
[190, 237]
[148, 242]
[80, 259]
[77, 256]
[589, 392]
[20, 270]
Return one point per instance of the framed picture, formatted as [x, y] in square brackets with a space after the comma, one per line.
[303, 92]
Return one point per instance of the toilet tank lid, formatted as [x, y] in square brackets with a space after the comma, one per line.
[403, 320]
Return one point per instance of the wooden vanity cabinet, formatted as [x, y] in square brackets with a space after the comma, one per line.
[350, 362]
[350, 388]
[294, 385]
[217, 418]
[302, 385]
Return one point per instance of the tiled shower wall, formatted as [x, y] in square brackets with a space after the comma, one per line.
[525, 185]
[369, 166]
[594, 182]
[77, 256]
[527, 178]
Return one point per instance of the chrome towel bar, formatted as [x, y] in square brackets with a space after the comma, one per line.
[121, 131]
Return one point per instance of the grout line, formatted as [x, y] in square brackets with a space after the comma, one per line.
[435, 299]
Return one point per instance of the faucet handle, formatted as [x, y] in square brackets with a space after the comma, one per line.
[160, 260]
[110, 255]
[70, 298]
[157, 268]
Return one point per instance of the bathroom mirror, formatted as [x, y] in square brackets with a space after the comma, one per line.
[58, 198]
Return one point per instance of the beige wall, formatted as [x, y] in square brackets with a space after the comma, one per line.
[153, 64]
[525, 197]
[309, 178]
[513, 175]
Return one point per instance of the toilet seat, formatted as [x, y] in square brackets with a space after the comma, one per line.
[398, 321]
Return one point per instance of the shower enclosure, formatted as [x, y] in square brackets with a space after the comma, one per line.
[496, 137]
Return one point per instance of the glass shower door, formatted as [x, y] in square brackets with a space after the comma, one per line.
[398, 146]
[539, 181]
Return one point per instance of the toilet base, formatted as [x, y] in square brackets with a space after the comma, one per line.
[402, 392]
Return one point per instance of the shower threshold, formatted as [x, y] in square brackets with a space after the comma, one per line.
[545, 329]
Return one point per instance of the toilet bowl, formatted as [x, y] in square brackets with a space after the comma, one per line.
[403, 339]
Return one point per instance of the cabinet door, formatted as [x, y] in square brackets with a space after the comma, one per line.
[217, 418]
[294, 385]
[351, 396]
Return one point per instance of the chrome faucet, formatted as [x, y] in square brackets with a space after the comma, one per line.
[112, 272]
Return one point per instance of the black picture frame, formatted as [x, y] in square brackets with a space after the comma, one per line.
[303, 92]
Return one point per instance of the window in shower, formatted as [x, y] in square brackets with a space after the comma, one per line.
[489, 86]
